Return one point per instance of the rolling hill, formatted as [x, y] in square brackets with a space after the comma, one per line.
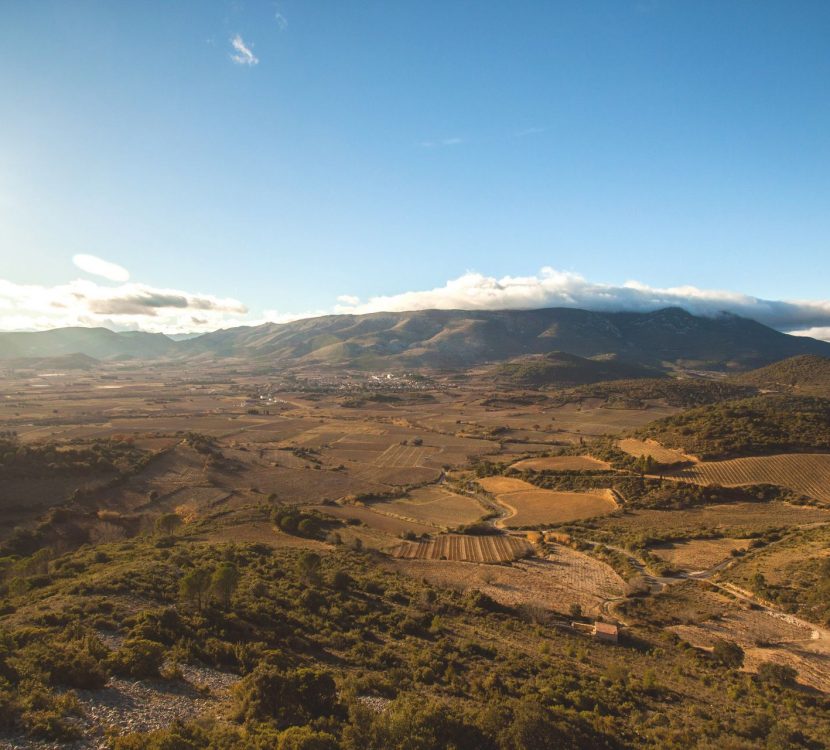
[100, 343]
[808, 374]
[565, 370]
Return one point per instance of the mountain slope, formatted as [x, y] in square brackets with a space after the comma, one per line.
[449, 339]
[456, 338]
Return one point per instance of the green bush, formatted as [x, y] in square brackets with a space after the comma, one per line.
[286, 698]
[305, 738]
[138, 658]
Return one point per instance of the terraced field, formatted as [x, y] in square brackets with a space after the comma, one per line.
[458, 547]
[805, 473]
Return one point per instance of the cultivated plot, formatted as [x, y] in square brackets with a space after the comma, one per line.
[562, 463]
[528, 505]
[433, 505]
[460, 547]
[653, 449]
[804, 473]
[699, 554]
[567, 578]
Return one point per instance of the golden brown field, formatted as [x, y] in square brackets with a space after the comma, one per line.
[433, 505]
[562, 463]
[529, 506]
[699, 554]
[652, 448]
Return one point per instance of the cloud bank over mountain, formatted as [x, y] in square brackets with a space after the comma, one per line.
[552, 288]
[135, 306]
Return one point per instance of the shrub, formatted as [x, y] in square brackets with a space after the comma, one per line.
[728, 654]
[305, 738]
[138, 658]
[777, 674]
[286, 698]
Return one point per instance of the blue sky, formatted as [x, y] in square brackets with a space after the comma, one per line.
[374, 149]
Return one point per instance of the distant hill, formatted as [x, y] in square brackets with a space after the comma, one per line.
[100, 343]
[564, 370]
[450, 339]
[60, 362]
[808, 374]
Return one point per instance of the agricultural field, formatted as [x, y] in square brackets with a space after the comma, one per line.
[494, 548]
[433, 505]
[528, 506]
[653, 449]
[738, 520]
[386, 484]
[699, 554]
[562, 463]
[567, 578]
[804, 473]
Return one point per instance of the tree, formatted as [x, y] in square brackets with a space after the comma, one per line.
[168, 523]
[309, 567]
[195, 585]
[223, 583]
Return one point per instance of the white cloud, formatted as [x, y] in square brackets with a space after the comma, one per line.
[282, 21]
[103, 268]
[133, 306]
[124, 307]
[816, 332]
[552, 288]
[243, 54]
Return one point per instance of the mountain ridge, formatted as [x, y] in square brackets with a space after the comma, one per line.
[449, 339]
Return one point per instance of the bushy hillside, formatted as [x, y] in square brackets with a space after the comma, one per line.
[747, 427]
[674, 391]
[559, 369]
[329, 651]
[808, 374]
